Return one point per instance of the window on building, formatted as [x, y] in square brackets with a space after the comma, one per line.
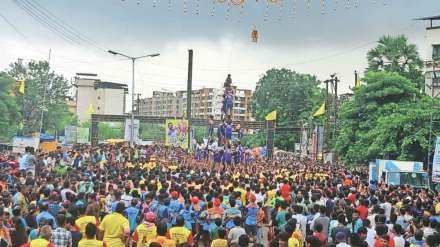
[99, 108]
[436, 52]
[99, 97]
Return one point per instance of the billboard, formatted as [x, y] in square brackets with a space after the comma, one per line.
[127, 133]
[436, 162]
[176, 133]
[70, 134]
[82, 135]
[19, 143]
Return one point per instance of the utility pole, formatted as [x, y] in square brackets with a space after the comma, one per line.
[331, 111]
[138, 103]
[44, 93]
[133, 60]
[189, 94]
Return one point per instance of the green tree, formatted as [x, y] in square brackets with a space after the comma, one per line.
[45, 91]
[9, 111]
[395, 54]
[293, 95]
[388, 118]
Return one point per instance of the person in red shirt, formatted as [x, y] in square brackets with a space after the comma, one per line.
[318, 233]
[352, 196]
[363, 209]
[382, 237]
[285, 190]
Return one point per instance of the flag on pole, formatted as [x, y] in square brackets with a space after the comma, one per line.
[271, 116]
[22, 86]
[320, 111]
[358, 82]
[90, 110]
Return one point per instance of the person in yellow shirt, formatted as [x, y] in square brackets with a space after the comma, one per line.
[89, 240]
[161, 237]
[116, 227]
[83, 220]
[145, 232]
[221, 241]
[179, 233]
[43, 240]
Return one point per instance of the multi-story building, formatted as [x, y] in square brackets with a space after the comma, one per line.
[205, 102]
[103, 97]
[432, 58]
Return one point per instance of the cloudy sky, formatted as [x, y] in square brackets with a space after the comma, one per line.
[308, 36]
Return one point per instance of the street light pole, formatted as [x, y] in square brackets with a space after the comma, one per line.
[133, 60]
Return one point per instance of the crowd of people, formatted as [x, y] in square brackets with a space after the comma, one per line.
[116, 196]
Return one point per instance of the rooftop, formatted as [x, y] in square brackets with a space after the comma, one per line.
[431, 19]
[111, 85]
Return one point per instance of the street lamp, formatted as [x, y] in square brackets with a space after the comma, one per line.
[133, 59]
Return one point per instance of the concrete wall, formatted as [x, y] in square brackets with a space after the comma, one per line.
[85, 95]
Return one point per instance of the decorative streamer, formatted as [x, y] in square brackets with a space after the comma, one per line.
[356, 3]
[294, 9]
[228, 11]
[154, 3]
[169, 5]
[322, 7]
[184, 6]
[197, 7]
[213, 7]
[336, 5]
[280, 17]
[266, 12]
[308, 3]
[241, 13]
[347, 6]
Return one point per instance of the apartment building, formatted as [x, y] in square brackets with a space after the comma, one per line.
[205, 102]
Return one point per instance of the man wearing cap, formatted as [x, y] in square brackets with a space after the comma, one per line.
[115, 227]
[146, 231]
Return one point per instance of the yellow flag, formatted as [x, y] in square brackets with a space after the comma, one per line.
[22, 86]
[90, 110]
[320, 111]
[358, 82]
[271, 116]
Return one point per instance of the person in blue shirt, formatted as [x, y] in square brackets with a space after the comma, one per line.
[132, 213]
[188, 216]
[228, 131]
[46, 215]
[251, 216]
[231, 213]
[227, 156]
[175, 205]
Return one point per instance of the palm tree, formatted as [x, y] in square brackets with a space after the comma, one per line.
[395, 54]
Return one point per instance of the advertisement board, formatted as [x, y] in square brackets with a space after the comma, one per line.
[436, 162]
[19, 143]
[82, 135]
[176, 133]
[127, 133]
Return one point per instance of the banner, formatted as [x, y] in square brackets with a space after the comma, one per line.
[127, 134]
[436, 162]
[176, 133]
[82, 135]
[70, 134]
[19, 143]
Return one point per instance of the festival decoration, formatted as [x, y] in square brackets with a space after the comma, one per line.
[254, 35]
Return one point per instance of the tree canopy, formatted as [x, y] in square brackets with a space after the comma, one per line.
[388, 118]
[42, 85]
[291, 94]
[8, 107]
[395, 54]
